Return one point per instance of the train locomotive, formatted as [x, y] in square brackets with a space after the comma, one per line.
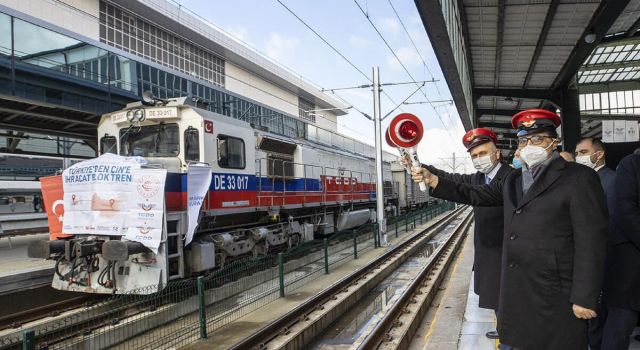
[268, 193]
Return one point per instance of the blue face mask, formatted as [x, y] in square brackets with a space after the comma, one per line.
[516, 163]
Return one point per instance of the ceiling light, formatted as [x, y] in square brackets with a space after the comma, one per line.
[590, 38]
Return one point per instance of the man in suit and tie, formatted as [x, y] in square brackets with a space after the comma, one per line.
[488, 229]
[622, 277]
[555, 231]
[592, 153]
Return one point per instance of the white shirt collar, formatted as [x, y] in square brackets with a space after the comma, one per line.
[599, 167]
[494, 172]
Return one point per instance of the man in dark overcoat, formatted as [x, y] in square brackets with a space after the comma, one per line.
[555, 221]
[622, 278]
[488, 221]
[591, 152]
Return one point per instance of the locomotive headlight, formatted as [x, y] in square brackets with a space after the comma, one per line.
[130, 115]
[139, 115]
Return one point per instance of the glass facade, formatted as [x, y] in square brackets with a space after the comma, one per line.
[127, 32]
[5, 34]
[47, 49]
[35, 45]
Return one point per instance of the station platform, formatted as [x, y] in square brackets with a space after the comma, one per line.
[17, 271]
[455, 321]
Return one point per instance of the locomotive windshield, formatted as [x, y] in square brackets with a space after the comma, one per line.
[160, 140]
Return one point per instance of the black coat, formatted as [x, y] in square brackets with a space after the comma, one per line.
[488, 232]
[553, 252]
[607, 180]
[622, 279]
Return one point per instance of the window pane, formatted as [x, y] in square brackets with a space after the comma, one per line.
[150, 141]
[230, 152]
[42, 47]
[5, 34]
[108, 144]
[191, 145]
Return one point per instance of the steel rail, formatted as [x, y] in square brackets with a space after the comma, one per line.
[270, 331]
[380, 332]
[17, 319]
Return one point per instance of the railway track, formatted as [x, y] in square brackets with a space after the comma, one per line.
[53, 309]
[396, 325]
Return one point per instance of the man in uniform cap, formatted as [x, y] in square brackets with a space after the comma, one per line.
[555, 230]
[488, 230]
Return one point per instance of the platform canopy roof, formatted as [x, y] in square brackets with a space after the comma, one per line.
[501, 56]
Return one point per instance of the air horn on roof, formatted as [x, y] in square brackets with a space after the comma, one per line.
[404, 133]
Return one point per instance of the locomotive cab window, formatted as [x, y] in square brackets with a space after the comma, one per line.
[191, 144]
[161, 140]
[108, 144]
[230, 152]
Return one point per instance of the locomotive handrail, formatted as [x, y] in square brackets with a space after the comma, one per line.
[197, 162]
[284, 178]
[152, 166]
[279, 197]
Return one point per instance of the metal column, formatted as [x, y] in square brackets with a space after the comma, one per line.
[382, 225]
[571, 128]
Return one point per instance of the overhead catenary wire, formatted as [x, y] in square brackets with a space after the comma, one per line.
[424, 63]
[295, 105]
[393, 52]
[317, 115]
[333, 48]
[366, 15]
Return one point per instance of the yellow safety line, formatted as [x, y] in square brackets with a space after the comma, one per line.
[495, 323]
[435, 317]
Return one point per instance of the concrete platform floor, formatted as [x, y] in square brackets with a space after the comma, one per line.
[14, 260]
[455, 321]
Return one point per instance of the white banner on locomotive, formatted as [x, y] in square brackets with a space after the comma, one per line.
[198, 182]
[111, 195]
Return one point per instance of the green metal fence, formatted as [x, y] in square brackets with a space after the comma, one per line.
[187, 310]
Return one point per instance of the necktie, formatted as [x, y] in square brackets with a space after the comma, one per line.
[487, 180]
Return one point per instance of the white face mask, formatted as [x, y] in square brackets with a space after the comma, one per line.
[586, 160]
[483, 164]
[534, 155]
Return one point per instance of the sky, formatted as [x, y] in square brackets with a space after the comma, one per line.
[269, 28]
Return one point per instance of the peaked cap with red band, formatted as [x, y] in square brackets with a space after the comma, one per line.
[533, 121]
[477, 137]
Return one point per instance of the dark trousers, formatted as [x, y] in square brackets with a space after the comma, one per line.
[596, 327]
[618, 328]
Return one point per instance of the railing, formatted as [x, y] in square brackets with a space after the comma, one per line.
[186, 310]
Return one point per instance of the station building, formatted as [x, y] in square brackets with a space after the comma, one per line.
[63, 63]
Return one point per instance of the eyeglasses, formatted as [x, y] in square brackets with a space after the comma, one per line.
[535, 140]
